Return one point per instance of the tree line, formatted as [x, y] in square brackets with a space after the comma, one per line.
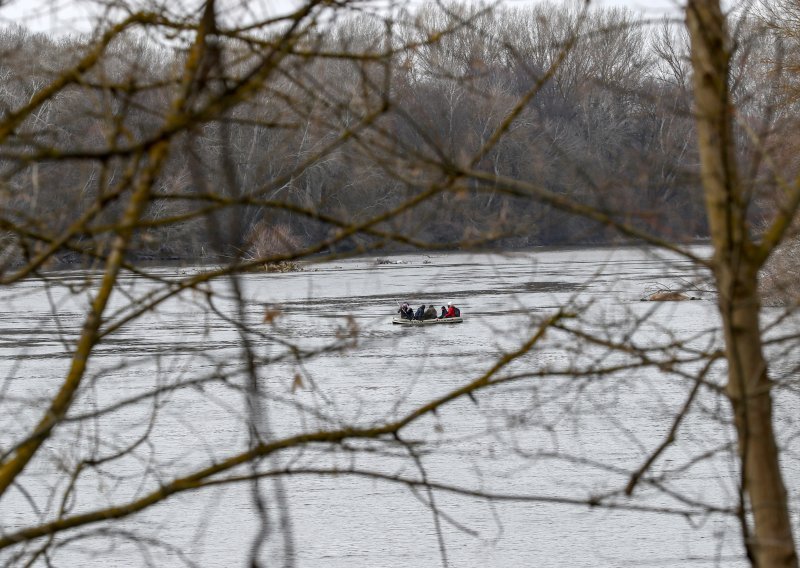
[610, 125]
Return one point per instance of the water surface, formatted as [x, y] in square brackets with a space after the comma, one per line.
[561, 430]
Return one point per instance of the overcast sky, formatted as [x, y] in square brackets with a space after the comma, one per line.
[75, 15]
[69, 16]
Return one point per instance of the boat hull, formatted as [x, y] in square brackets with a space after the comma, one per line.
[443, 321]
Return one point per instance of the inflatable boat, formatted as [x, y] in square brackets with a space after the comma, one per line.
[403, 321]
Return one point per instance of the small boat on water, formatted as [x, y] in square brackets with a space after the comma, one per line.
[403, 321]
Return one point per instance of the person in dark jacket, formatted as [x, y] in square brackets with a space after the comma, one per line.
[406, 312]
[444, 312]
[420, 312]
[430, 313]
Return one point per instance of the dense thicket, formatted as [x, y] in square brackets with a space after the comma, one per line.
[610, 125]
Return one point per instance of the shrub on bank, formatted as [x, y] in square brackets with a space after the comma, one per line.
[780, 277]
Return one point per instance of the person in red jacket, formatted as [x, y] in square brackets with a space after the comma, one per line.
[452, 311]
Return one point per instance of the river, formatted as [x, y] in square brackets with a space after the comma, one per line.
[560, 431]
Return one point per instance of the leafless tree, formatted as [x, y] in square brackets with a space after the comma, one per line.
[250, 142]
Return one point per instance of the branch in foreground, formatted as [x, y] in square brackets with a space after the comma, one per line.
[203, 476]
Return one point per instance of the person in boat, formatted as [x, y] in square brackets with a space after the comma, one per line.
[420, 312]
[406, 312]
[444, 313]
[452, 311]
[430, 313]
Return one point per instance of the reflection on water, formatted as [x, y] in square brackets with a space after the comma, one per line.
[549, 433]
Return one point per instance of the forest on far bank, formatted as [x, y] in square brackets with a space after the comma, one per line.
[610, 125]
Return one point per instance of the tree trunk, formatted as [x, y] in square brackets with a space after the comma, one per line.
[736, 263]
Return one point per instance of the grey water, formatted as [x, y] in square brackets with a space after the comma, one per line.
[556, 435]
